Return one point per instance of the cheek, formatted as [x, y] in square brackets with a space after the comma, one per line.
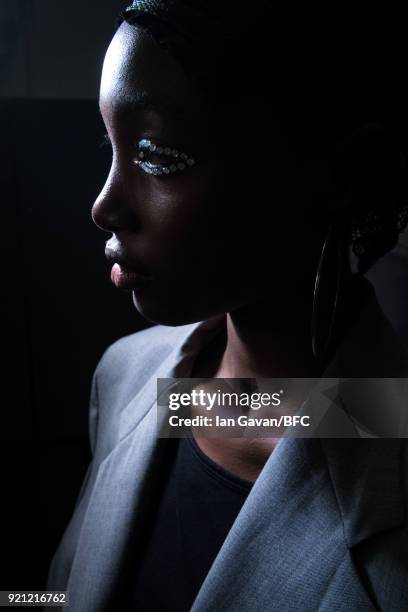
[189, 216]
[215, 223]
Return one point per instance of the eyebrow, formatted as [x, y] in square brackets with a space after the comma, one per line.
[144, 100]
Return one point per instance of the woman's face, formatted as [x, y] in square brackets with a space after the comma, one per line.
[203, 238]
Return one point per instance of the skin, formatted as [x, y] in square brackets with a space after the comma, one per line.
[212, 243]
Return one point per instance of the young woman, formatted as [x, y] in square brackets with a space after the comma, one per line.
[253, 182]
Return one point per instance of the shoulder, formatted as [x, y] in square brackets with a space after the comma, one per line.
[125, 367]
[126, 352]
[138, 354]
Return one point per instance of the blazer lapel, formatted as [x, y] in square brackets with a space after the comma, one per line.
[366, 476]
[114, 512]
[287, 544]
[114, 519]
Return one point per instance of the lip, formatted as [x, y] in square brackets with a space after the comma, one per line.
[125, 273]
[124, 278]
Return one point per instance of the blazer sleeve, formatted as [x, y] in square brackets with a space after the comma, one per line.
[61, 563]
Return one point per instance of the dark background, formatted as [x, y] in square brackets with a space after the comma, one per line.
[59, 310]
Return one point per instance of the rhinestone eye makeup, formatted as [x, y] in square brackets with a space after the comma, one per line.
[176, 161]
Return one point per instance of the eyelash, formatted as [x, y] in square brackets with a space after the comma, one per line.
[147, 147]
[180, 160]
[105, 141]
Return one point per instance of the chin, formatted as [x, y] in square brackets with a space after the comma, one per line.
[164, 312]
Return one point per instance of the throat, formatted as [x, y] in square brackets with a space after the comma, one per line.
[242, 457]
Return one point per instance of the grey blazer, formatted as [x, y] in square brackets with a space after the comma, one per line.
[324, 527]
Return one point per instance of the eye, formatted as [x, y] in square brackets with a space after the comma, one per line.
[160, 160]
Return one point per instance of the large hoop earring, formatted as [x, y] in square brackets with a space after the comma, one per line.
[324, 308]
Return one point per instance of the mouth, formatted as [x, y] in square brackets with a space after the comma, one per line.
[124, 278]
[124, 274]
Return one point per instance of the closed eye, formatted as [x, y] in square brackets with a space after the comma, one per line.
[160, 160]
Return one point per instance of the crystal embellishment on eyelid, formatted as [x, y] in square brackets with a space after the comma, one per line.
[178, 161]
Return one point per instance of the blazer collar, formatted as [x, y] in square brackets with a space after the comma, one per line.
[186, 342]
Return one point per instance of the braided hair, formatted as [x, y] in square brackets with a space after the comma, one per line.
[324, 83]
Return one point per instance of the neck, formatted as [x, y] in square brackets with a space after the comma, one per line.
[270, 340]
[259, 345]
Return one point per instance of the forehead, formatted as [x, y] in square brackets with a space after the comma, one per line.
[137, 72]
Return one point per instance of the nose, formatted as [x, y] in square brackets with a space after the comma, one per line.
[110, 211]
[104, 211]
